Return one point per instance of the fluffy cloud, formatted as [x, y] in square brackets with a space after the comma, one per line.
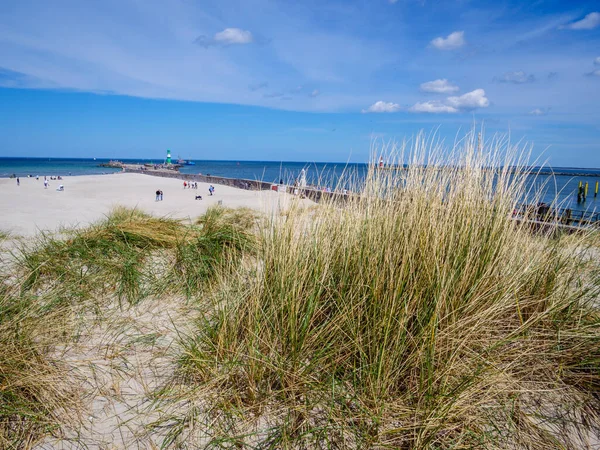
[539, 112]
[453, 41]
[441, 86]
[594, 73]
[233, 36]
[229, 36]
[432, 107]
[471, 100]
[597, 61]
[517, 77]
[467, 102]
[382, 107]
[592, 20]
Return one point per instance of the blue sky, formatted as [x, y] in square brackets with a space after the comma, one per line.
[310, 80]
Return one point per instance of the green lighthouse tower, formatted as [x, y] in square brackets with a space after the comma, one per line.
[168, 156]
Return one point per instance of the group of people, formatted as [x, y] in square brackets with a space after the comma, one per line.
[190, 185]
[159, 195]
[37, 177]
[194, 185]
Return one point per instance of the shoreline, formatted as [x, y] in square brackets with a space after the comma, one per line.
[30, 208]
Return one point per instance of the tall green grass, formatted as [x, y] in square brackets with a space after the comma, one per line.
[417, 314]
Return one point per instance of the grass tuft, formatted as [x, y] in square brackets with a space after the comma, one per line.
[416, 315]
[128, 256]
[33, 395]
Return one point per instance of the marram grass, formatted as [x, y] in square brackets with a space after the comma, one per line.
[129, 255]
[33, 395]
[418, 314]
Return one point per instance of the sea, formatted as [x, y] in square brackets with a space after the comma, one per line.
[560, 183]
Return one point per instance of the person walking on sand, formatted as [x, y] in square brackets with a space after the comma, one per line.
[157, 195]
[161, 195]
[211, 189]
[184, 184]
[45, 184]
[18, 182]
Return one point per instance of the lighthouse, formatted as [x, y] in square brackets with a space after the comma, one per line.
[168, 156]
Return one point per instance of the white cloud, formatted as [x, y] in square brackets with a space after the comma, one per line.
[597, 61]
[539, 112]
[234, 36]
[315, 93]
[595, 73]
[516, 77]
[592, 20]
[453, 41]
[432, 107]
[229, 36]
[471, 100]
[442, 86]
[467, 102]
[382, 107]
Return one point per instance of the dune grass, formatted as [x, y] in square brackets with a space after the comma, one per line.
[131, 254]
[33, 395]
[128, 256]
[416, 315]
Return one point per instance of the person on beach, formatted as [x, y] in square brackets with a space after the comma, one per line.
[18, 182]
[157, 195]
[45, 184]
[184, 184]
[161, 195]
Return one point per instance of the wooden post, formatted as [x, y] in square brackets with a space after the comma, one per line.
[585, 191]
[596, 190]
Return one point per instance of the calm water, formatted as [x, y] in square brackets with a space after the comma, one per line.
[564, 182]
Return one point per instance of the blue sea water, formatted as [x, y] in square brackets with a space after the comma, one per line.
[558, 182]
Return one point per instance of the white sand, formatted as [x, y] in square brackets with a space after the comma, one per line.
[29, 207]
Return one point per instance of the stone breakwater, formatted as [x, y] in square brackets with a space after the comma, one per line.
[315, 195]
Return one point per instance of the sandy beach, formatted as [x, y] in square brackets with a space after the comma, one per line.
[30, 207]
